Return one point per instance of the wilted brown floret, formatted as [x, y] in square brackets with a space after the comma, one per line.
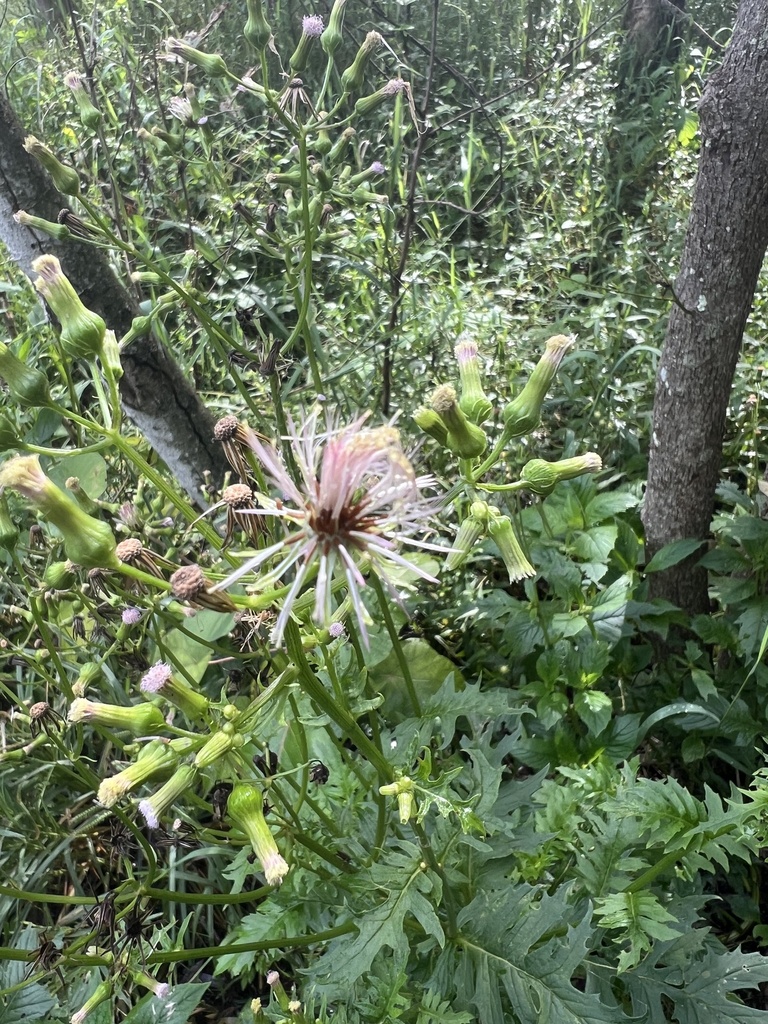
[190, 586]
[132, 552]
[239, 498]
[234, 438]
[42, 718]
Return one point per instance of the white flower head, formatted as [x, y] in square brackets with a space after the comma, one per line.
[358, 499]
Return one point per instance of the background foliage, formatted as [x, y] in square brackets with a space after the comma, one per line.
[589, 820]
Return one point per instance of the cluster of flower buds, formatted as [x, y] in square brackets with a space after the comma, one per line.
[456, 424]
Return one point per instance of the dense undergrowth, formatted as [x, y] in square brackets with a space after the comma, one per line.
[472, 788]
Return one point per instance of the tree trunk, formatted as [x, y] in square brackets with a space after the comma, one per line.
[157, 396]
[724, 248]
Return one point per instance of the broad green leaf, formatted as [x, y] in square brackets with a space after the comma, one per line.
[177, 1008]
[398, 889]
[429, 670]
[701, 989]
[673, 554]
[89, 468]
[595, 545]
[594, 708]
[507, 948]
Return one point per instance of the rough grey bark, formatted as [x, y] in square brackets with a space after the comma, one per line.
[157, 396]
[724, 248]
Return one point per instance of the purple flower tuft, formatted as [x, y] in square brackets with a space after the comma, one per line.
[312, 25]
[336, 629]
[131, 616]
[148, 813]
[155, 679]
[378, 167]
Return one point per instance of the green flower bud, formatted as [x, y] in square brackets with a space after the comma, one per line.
[213, 64]
[87, 541]
[523, 414]
[140, 327]
[65, 178]
[331, 39]
[140, 719]
[60, 575]
[28, 386]
[504, 537]
[432, 424]
[82, 331]
[473, 403]
[540, 477]
[352, 77]
[217, 746]
[182, 780]
[311, 28]
[9, 534]
[323, 178]
[83, 499]
[246, 809]
[102, 993]
[257, 31]
[367, 104]
[58, 231]
[464, 439]
[470, 532]
[89, 115]
[110, 356]
[89, 673]
[155, 758]
[290, 178]
[322, 144]
[403, 790]
[340, 146]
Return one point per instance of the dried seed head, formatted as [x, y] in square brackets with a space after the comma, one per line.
[190, 585]
[238, 496]
[132, 552]
[235, 439]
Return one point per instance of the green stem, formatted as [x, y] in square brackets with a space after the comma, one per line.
[396, 644]
[343, 719]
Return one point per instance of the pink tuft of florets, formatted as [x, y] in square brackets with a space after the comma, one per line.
[155, 678]
[358, 499]
[312, 25]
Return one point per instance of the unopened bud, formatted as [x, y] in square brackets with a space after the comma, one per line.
[139, 719]
[473, 403]
[367, 104]
[470, 532]
[541, 477]
[58, 231]
[82, 331]
[155, 758]
[505, 538]
[87, 541]
[245, 808]
[464, 439]
[523, 414]
[26, 384]
[89, 115]
[257, 31]
[64, 178]
[352, 77]
[174, 789]
[331, 39]
[213, 64]
[431, 423]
